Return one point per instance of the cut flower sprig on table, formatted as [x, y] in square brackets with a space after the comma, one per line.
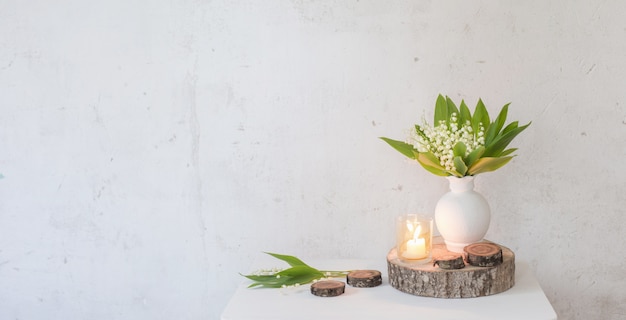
[299, 273]
[461, 143]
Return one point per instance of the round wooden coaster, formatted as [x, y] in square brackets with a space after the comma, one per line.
[483, 254]
[449, 262]
[328, 288]
[364, 278]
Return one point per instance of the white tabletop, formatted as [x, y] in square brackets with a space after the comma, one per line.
[525, 300]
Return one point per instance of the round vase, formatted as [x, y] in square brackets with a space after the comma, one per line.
[462, 215]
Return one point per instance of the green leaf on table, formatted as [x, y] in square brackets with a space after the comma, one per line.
[291, 260]
[299, 273]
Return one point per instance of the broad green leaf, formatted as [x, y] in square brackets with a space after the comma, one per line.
[261, 278]
[429, 159]
[452, 109]
[496, 126]
[299, 270]
[291, 260]
[481, 115]
[431, 163]
[507, 152]
[488, 164]
[403, 147]
[268, 281]
[459, 165]
[510, 127]
[435, 170]
[474, 155]
[299, 273]
[466, 115]
[441, 111]
[459, 149]
[302, 279]
[502, 141]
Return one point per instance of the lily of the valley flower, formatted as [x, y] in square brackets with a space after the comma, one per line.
[460, 144]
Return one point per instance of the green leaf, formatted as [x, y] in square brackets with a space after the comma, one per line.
[474, 155]
[436, 171]
[299, 273]
[487, 164]
[510, 127]
[496, 126]
[507, 152]
[403, 147]
[262, 278]
[459, 149]
[268, 281]
[431, 163]
[481, 115]
[291, 260]
[452, 109]
[466, 115]
[460, 166]
[300, 270]
[441, 111]
[502, 141]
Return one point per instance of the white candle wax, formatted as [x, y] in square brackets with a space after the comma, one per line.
[415, 249]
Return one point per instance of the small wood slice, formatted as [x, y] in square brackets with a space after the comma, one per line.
[450, 262]
[364, 278]
[483, 254]
[328, 288]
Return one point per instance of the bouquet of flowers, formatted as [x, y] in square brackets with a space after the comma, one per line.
[461, 144]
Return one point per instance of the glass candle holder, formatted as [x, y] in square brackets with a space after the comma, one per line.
[414, 238]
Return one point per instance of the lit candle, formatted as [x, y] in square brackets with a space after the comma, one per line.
[416, 247]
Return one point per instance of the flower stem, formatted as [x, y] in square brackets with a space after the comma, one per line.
[334, 274]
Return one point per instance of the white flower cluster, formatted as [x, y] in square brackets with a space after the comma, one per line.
[267, 272]
[440, 140]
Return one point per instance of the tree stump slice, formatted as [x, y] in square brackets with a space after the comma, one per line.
[364, 278]
[483, 254]
[428, 280]
[449, 262]
[328, 288]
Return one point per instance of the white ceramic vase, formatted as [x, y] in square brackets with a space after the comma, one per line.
[462, 215]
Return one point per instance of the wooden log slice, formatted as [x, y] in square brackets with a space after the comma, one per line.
[328, 288]
[448, 262]
[427, 280]
[364, 278]
[483, 254]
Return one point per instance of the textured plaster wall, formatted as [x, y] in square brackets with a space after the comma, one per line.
[151, 150]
